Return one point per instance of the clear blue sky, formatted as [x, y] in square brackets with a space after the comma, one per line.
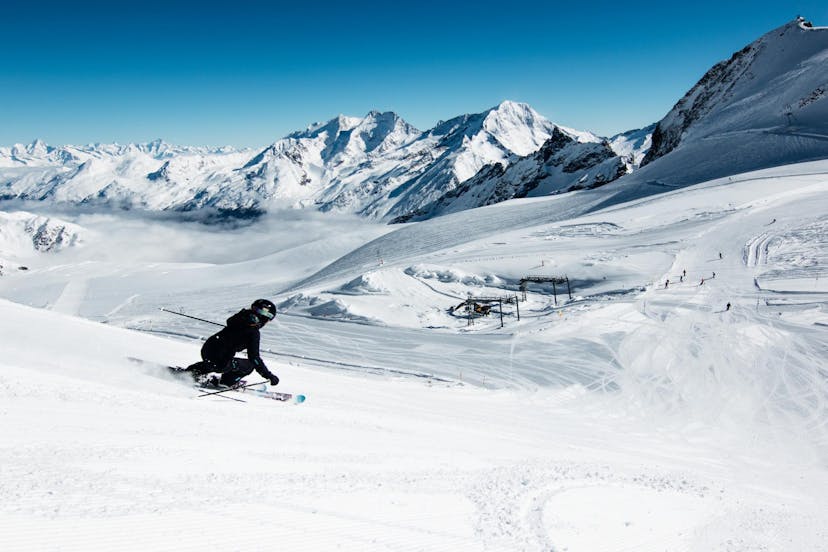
[247, 73]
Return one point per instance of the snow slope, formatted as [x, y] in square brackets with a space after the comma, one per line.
[765, 106]
[639, 415]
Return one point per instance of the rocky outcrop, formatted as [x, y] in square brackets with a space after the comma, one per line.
[561, 164]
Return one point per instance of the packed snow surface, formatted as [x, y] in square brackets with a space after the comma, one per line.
[641, 414]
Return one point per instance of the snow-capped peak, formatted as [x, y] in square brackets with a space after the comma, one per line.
[352, 136]
[381, 131]
[340, 123]
[768, 87]
[37, 147]
[517, 126]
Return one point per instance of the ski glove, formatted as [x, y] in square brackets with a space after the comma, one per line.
[274, 380]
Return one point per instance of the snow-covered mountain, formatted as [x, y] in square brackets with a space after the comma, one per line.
[38, 153]
[632, 145]
[444, 157]
[23, 235]
[561, 164]
[382, 167]
[152, 176]
[378, 166]
[765, 106]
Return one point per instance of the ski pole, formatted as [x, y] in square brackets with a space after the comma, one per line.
[193, 317]
[231, 398]
[231, 389]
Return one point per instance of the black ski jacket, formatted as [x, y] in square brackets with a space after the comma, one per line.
[241, 332]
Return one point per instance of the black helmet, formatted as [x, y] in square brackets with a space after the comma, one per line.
[264, 308]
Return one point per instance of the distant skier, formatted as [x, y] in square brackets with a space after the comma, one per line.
[241, 332]
[667, 283]
[720, 255]
[727, 308]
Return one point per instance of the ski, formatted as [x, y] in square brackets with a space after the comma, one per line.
[274, 395]
[258, 389]
[210, 388]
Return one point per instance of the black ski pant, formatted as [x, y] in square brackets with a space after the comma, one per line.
[231, 372]
[216, 359]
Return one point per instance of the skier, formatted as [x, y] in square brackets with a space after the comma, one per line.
[241, 332]
[727, 308]
[667, 283]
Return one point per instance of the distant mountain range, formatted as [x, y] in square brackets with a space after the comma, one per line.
[764, 106]
[378, 166]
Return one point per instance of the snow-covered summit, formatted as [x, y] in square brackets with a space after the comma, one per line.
[518, 127]
[340, 122]
[774, 86]
[354, 136]
[448, 155]
[766, 106]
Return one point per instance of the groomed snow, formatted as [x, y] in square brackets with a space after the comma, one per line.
[638, 415]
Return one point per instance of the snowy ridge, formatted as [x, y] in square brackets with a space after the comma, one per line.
[153, 176]
[762, 108]
[23, 235]
[770, 92]
[560, 165]
[378, 166]
[410, 169]
[633, 144]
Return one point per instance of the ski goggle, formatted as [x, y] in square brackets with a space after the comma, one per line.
[266, 313]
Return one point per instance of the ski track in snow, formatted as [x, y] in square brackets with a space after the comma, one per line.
[71, 298]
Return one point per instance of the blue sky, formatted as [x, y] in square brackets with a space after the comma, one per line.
[246, 73]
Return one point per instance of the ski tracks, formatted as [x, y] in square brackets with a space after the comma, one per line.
[543, 505]
[72, 297]
[756, 249]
